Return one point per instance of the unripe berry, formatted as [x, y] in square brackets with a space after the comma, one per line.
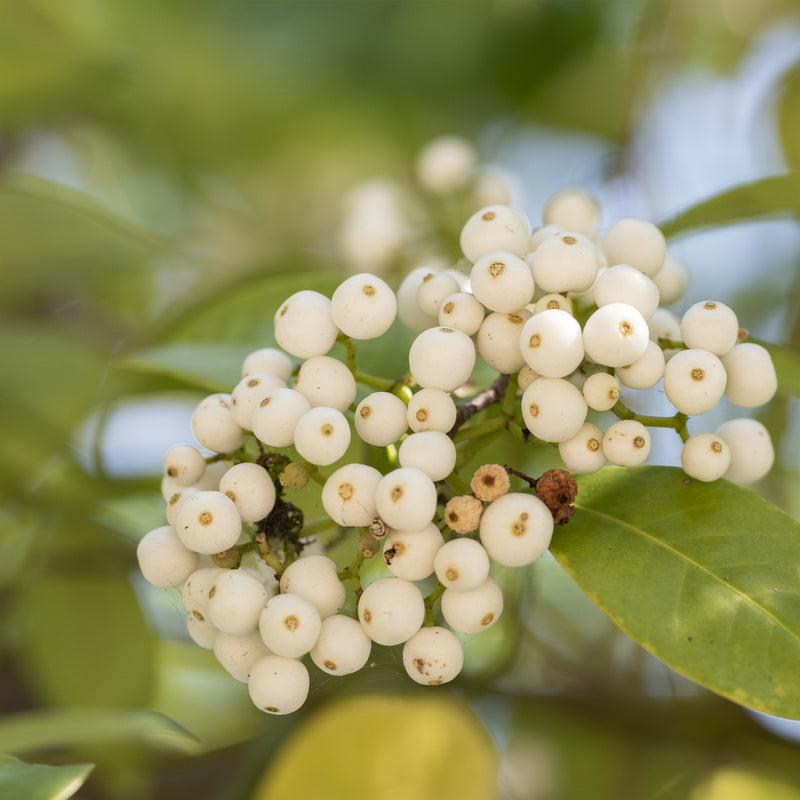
[304, 324]
[342, 646]
[626, 443]
[163, 558]
[278, 685]
[441, 358]
[495, 228]
[752, 454]
[391, 610]
[615, 335]
[380, 419]
[516, 529]
[553, 409]
[694, 381]
[636, 242]
[348, 495]
[433, 656]
[705, 457]
[473, 611]
[751, 375]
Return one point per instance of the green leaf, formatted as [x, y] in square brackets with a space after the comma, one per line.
[210, 367]
[81, 727]
[86, 642]
[427, 738]
[778, 195]
[704, 576]
[22, 781]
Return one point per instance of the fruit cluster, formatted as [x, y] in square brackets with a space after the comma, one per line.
[568, 320]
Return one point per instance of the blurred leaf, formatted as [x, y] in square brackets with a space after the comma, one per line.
[789, 116]
[54, 238]
[21, 781]
[78, 727]
[425, 742]
[787, 366]
[87, 643]
[704, 576]
[210, 367]
[778, 195]
[735, 783]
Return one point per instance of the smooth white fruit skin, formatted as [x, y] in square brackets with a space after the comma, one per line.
[473, 611]
[516, 529]
[433, 452]
[646, 371]
[752, 380]
[626, 443]
[461, 311]
[495, 228]
[672, 280]
[433, 656]
[664, 325]
[441, 358]
[268, 359]
[278, 685]
[410, 554]
[752, 453]
[710, 325]
[235, 601]
[251, 489]
[238, 653]
[553, 302]
[694, 381]
[583, 453]
[461, 564]
[565, 262]
[348, 495]
[215, 536]
[553, 409]
[499, 340]
[175, 501]
[615, 335]
[636, 242]
[342, 647]
[248, 393]
[445, 163]
[163, 559]
[391, 610]
[202, 633]
[551, 343]
[326, 381]
[275, 420]
[322, 435]
[601, 391]
[705, 457]
[502, 282]
[406, 499]
[214, 427]
[431, 410]
[435, 287]
[623, 283]
[184, 463]
[289, 625]
[572, 210]
[315, 578]
[380, 419]
[304, 326]
[194, 592]
[363, 306]
[409, 312]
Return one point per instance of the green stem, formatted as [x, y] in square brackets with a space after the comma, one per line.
[481, 429]
[314, 473]
[266, 555]
[510, 399]
[352, 574]
[430, 600]
[380, 384]
[677, 421]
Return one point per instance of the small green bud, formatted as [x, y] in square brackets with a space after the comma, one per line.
[294, 476]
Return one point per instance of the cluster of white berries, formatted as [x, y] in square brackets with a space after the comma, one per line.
[573, 320]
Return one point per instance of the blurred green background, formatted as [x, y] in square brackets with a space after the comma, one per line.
[171, 171]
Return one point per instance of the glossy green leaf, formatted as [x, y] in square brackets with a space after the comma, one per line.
[81, 727]
[210, 367]
[776, 196]
[704, 576]
[423, 739]
[21, 781]
[86, 642]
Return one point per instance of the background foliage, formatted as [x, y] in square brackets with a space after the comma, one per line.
[169, 172]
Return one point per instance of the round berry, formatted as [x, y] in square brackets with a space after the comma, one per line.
[214, 426]
[636, 242]
[163, 559]
[406, 499]
[711, 326]
[237, 653]
[552, 343]
[433, 656]
[565, 262]
[278, 685]
[445, 163]
[270, 360]
[705, 457]
[615, 335]
[410, 554]
[235, 601]
[646, 371]
[380, 419]
[572, 210]
[391, 610]
[461, 311]
[623, 283]
[694, 381]
[583, 453]
[473, 611]
[752, 453]
[432, 452]
[208, 522]
[322, 435]
[251, 489]
[431, 410]
[441, 358]
[363, 306]
[184, 464]
[516, 529]
[502, 282]
[325, 381]
[342, 646]
[626, 443]
[348, 495]
[275, 419]
[316, 579]
[495, 228]
[248, 393]
[289, 625]
[751, 375]
[553, 409]
[461, 564]
[304, 324]
[601, 391]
